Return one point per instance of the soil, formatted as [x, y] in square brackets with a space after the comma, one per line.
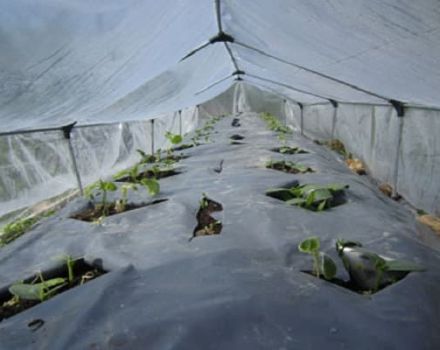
[289, 150]
[219, 168]
[149, 174]
[152, 158]
[206, 224]
[83, 273]
[286, 168]
[236, 122]
[184, 147]
[356, 166]
[352, 287]
[93, 213]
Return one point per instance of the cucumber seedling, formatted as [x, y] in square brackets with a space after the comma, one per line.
[323, 265]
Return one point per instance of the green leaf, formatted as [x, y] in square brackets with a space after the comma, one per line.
[327, 266]
[121, 174]
[322, 205]
[296, 201]
[310, 199]
[38, 291]
[322, 194]
[309, 245]
[176, 139]
[110, 186]
[401, 265]
[152, 186]
[141, 153]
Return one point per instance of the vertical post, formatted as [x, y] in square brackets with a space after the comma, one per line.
[335, 116]
[152, 136]
[301, 108]
[67, 130]
[180, 122]
[285, 113]
[400, 109]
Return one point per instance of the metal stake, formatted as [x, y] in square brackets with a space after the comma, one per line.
[67, 130]
[152, 136]
[180, 122]
[396, 160]
[301, 108]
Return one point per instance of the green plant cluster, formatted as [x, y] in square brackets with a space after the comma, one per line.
[18, 227]
[337, 146]
[291, 150]
[310, 196]
[40, 289]
[274, 124]
[15, 229]
[288, 166]
[104, 187]
[368, 271]
[205, 131]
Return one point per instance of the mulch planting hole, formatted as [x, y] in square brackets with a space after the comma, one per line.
[314, 197]
[206, 224]
[289, 150]
[83, 272]
[236, 122]
[288, 167]
[94, 212]
[150, 174]
[237, 137]
[184, 147]
[153, 158]
[351, 286]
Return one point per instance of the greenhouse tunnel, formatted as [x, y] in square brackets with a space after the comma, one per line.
[204, 254]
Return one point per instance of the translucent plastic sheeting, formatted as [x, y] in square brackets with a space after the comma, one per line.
[388, 47]
[371, 133]
[191, 82]
[66, 61]
[281, 90]
[243, 97]
[33, 166]
[37, 166]
[266, 68]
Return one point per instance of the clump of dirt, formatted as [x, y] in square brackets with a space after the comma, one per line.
[356, 166]
[206, 224]
[236, 122]
[289, 150]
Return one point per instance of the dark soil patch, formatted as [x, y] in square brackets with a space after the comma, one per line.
[152, 158]
[237, 137]
[149, 174]
[236, 122]
[94, 212]
[184, 147]
[289, 150]
[218, 169]
[206, 224]
[354, 288]
[290, 169]
[82, 271]
[315, 203]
